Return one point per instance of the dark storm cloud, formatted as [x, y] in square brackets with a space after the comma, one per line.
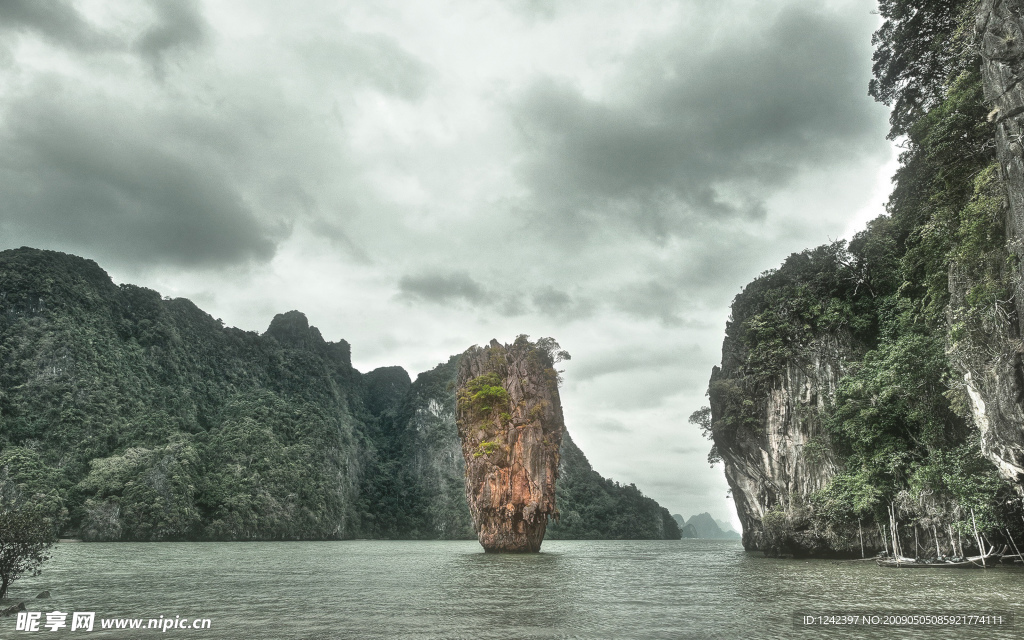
[442, 288]
[459, 287]
[701, 132]
[56, 20]
[556, 303]
[179, 25]
[101, 181]
[551, 301]
[206, 171]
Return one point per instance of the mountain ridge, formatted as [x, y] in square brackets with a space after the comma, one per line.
[129, 416]
[703, 525]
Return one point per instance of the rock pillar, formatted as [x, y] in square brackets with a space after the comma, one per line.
[510, 423]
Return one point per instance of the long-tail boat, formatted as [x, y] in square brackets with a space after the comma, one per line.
[903, 562]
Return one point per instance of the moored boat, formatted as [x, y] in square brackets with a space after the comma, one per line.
[903, 562]
[914, 563]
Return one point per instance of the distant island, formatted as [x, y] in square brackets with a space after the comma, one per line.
[704, 526]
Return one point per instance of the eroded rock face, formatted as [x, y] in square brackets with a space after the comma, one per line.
[773, 466]
[993, 370]
[509, 417]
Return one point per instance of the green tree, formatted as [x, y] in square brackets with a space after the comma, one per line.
[919, 48]
[26, 537]
[702, 418]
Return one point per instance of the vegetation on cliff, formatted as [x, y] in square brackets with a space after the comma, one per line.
[592, 507]
[510, 423]
[910, 298]
[152, 421]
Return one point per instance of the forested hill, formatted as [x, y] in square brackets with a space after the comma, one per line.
[128, 416]
[885, 373]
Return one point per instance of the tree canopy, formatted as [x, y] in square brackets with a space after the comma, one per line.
[26, 536]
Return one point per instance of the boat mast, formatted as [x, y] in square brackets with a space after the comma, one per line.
[977, 538]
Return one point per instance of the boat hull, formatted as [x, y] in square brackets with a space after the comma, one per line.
[976, 562]
[929, 565]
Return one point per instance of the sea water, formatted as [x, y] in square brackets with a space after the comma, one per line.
[572, 589]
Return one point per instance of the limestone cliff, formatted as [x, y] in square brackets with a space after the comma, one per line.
[882, 381]
[778, 456]
[804, 479]
[437, 454]
[144, 418]
[989, 358]
[509, 417]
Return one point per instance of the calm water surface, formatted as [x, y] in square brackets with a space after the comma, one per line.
[574, 589]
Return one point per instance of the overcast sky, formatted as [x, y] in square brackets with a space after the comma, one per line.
[421, 176]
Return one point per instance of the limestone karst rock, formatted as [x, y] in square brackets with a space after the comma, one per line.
[993, 365]
[766, 466]
[510, 423]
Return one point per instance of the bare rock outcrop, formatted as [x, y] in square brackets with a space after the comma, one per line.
[991, 364]
[510, 423]
[780, 459]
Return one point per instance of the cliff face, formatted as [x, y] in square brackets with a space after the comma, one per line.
[146, 419]
[909, 337]
[835, 403]
[780, 455]
[990, 359]
[436, 457]
[510, 422]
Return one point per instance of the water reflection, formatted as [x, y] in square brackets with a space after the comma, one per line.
[534, 593]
